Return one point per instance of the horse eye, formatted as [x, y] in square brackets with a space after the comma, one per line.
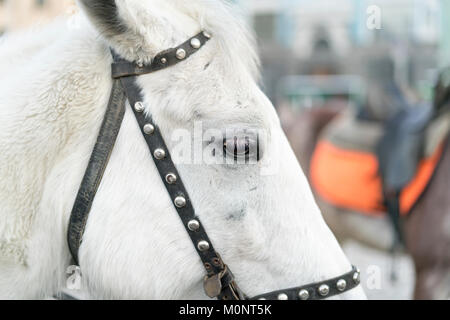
[241, 148]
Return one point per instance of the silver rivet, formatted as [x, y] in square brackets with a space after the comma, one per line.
[163, 60]
[356, 277]
[262, 299]
[303, 294]
[171, 178]
[324, 290]
[283, 296]
[207, 34]
[341, 285]
[193, 225]
[181, 54]
[203, 245]
[180, 202]
[195, 43]
[159, 154]
[139, 107]
[149, 128]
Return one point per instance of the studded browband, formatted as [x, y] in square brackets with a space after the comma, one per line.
[219, 281]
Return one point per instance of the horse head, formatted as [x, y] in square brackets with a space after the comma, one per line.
[225, 137]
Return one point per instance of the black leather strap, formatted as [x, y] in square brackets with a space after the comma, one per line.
[96, 167]
[318, 290]
[124, 87]
[219, 280]
[123, 68]
[211, 260]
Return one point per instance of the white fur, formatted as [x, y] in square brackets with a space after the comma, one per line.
[51, 108]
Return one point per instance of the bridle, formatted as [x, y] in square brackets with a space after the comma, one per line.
[219, 281]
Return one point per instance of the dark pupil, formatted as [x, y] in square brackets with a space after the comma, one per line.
[237, 147]
[241, 147]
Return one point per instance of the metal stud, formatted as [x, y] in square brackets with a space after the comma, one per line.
[208, 266]
[149, 129]
[341, 285]
[181, 54]
[139, 107]
[140, 65]
[180, 202]
[195, 43]
[193, 225]
[159, 154]
[283, 296]
[217, 262]
[163, 60]
[207, 34]
[303, 294]
[357, 277]
[203, 245]
[262, 299]
[324, 290]
[171, 178]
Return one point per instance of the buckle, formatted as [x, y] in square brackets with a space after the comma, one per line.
[217, 283]
[213, 285]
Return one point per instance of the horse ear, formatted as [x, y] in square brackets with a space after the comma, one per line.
[105, 16]
[126, 25]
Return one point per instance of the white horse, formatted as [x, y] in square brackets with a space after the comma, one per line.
[53, 96]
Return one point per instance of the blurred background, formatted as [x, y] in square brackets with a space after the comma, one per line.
[347, 54]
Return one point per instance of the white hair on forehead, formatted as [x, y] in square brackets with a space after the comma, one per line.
[229, 27]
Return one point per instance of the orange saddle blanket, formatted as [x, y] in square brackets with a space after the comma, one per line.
[344, 169]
